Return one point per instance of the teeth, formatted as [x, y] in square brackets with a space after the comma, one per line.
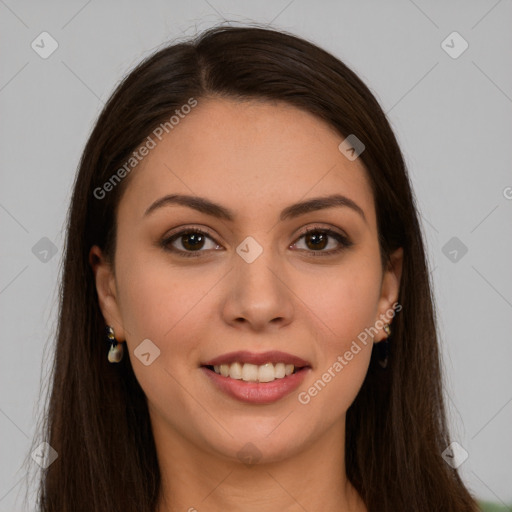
[280, 370]
[255, 373]
[235, 371]
[266, 373]
[249, 372]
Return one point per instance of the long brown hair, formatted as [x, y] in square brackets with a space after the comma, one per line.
[97, 417]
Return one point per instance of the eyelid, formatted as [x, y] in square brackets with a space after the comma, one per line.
[320, 227]
[176, 233]
[188, 229]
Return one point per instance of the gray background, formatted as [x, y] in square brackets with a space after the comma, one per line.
[452, 117]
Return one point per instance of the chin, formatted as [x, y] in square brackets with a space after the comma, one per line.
[257, 449]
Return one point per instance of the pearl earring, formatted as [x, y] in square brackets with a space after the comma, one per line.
[116, 351]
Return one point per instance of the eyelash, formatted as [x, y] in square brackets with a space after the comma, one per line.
[343, 240]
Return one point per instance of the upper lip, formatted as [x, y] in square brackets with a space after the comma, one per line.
[244, 356]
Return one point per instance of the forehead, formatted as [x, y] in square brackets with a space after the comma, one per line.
[251, 156]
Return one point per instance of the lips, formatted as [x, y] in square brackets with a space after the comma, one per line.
[233, 374]
[259, 393]
[245, 356]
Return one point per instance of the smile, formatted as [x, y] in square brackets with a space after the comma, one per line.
[248, 372]
[256, 377]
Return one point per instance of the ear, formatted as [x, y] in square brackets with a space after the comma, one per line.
[107, 291]
[389, 291]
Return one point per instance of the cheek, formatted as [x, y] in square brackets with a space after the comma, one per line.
[161, 301]
[343, 306]
[167, 306]
[164, 303]
[343, 301]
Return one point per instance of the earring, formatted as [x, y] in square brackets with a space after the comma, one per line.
[116, 351]
[383, 347]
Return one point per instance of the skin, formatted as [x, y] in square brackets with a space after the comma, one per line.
[255, 158]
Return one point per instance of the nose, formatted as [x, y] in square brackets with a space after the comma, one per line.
[258, 295]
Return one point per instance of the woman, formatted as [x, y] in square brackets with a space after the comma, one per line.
[243, 229]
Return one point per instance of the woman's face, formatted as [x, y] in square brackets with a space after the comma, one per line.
[250, 283]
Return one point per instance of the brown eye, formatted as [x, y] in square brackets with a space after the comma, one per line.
[192, 241]
[317, 240]
[189, 242]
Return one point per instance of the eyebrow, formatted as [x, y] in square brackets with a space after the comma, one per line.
[208, 207]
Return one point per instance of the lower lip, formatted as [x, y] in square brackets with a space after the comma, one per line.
[257, 392]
